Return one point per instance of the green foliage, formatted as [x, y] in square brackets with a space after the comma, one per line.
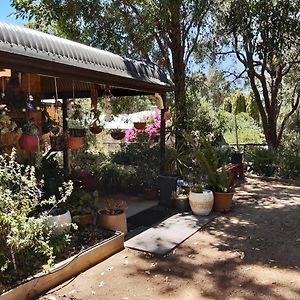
[263, 36]
[81, 202]
[22, 229]
[248, 130]
[239, 103]
[227, 105]
[29, 128]
[251, 107]
[262, 161]
[205, 157]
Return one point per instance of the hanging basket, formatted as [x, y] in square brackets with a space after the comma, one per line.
[139, 125]
[57, 142]
[75, 143]
[76, 132]
[94, 129]
[167, 115]
[10, 138]
[117, 134]
[29, 142]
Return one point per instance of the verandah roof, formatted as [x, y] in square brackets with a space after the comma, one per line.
[32, 51]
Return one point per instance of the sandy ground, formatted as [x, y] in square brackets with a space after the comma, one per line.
[252, 252]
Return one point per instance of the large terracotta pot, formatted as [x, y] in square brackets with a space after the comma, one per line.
[75, 143]
[116, 222]
[151, 193]
[29, 142]
[222, 201]
[201, 203]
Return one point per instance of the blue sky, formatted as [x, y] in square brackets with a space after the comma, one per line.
[5, 10]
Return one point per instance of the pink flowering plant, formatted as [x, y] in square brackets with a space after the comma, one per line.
[151, 130]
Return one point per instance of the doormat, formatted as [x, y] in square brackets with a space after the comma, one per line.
[165, 236]
[149, 217]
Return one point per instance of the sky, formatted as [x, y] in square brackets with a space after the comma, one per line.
[5, 10]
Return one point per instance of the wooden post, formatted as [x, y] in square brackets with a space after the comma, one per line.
[66, 153]
[163, 136]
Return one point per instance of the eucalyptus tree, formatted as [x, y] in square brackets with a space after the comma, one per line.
[166, 32]
[264, 36]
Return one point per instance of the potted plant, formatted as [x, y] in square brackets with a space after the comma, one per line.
[9, 131]
[141, 125]
[29, 139]
[201, 200]
[175, 163]
[113, 216]
[117, 134]
[181, 200]
[218, 179]
[82, 206]
[96, 125]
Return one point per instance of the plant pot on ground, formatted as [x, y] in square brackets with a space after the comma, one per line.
[236, 157]
[83, 207]
[218, 179]
[201, 200]
[113, 216]
[181, 200]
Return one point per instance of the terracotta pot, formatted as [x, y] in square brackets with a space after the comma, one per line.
[151, 193]
[10, 138]
[75, 143]
[201, 203]
[57, 142]
[222, 201]
[117, 222]
[167, 115]
[84, 220]
[76, 132]
[139, 125]
[117, 135]
[29, 142]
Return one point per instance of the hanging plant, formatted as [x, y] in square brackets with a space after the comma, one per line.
[29, 140]
[139, 125]
[96, 126]
[117, 134]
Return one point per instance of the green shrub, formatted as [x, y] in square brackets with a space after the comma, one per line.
[23, 232]
[262, 161]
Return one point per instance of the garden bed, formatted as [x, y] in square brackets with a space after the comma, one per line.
[90, 246]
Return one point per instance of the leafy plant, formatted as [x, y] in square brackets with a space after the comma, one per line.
[22, 229]
[262, 161]
[29, 128]
[206, 158]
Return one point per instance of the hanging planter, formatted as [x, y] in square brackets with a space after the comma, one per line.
[75, 143]
[167, 115]
[29, 140]
[57, 142]
[117, 134]
[139, 125]
[95, 129]
[10, 138]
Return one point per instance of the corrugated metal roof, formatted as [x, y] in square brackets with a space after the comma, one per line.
[19, 42]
